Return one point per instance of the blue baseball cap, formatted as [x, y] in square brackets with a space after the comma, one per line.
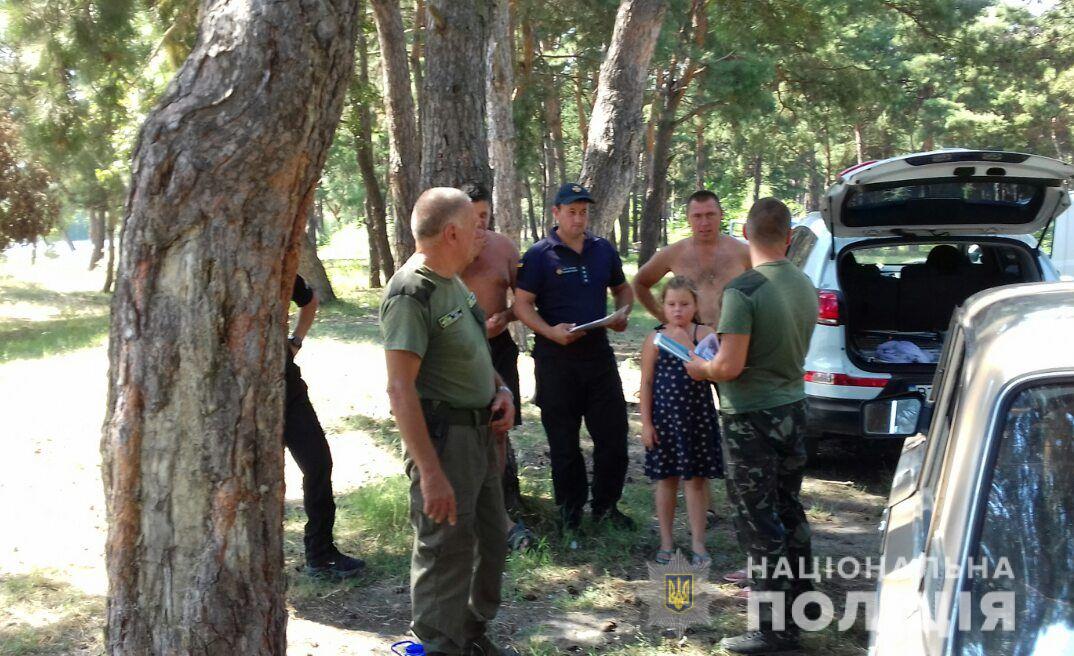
[572, 192]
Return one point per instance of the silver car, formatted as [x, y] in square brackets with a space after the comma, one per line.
[978, 536]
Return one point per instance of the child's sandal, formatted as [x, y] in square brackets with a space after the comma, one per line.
[700, 559]
[663, 557]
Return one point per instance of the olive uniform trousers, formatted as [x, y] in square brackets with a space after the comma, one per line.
[456, 571]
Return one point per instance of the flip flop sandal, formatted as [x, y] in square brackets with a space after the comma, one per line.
[700, 559]
[663, 557]
[736, 577]
[520, 538]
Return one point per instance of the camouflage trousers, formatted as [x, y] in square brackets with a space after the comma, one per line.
[764, 457]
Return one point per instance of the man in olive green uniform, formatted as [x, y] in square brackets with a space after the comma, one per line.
[765, 328]
[448, 403]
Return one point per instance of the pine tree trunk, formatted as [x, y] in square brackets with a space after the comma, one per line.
[615, 127]
[454, 139]
[583, 112]
[312, 269]
[624, 231]
[110, 272]
[699, 156]
[554, 119]
[416, 54]
[506, 204]
[656, 198]
[377, 219]
[758, 170]
[533, 218]
[97, 235]
[374, 250]
[224, 170]
[859, 143]
[404, 143]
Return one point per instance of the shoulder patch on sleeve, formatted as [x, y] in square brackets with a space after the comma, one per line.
[748, 282]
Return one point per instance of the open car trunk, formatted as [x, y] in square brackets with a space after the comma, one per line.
[899, 296]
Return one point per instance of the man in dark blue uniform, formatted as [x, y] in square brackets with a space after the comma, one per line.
[563, 281]
[304, 437]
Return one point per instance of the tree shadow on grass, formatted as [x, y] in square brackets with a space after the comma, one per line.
[22, 339]
[349, 321]
[40, 615]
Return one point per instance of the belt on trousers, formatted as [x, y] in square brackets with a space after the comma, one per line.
[476, 417]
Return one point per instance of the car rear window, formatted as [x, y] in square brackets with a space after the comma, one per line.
[1027, 531]
[944, 202]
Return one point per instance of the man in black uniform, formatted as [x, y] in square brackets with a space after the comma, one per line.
[564, 281]
[305, 439]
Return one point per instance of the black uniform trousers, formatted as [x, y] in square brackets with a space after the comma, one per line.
[568, 391]
[304, 437]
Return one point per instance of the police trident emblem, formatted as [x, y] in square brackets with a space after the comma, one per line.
[677, 593]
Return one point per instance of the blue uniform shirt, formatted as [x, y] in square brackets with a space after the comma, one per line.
[571, 288]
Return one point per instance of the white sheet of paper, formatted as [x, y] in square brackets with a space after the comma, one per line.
[600, 323]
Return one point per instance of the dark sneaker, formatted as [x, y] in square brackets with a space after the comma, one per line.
[336, 565]
[616, 518]
[760, 642]
[485, 647]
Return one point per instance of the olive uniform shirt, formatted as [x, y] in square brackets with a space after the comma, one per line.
[438, 319]
[776, 305]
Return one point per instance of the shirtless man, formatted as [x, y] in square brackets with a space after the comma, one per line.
[489, 277]
[708, 258]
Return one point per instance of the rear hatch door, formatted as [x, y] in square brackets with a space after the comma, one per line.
[948, 192]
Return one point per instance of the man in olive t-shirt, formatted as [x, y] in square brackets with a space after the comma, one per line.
[767, 323]
[449, 404]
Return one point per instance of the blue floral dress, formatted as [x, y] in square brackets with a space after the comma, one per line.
[686, 423]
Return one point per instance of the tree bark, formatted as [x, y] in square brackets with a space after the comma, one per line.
[454, 139]
[404, 143]
[110, 272]
[699, 156]
[506, 202]
[532, 214]
[97, 236]
[653, 214]
[374, 250]
[416, 54]
[624, 231]
[758, 170]
[554, 119]
[224, 170]
[615, 127]
[376, 220]
[859, 143]
[312, 269]
[583, 114]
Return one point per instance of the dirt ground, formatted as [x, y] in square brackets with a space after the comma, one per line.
[51, 549]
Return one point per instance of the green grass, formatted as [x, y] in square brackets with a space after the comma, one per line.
[36, 322]
[40, 615]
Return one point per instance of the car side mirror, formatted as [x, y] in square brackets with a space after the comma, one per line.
[892, 416]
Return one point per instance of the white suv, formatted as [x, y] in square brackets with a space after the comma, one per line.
[897, 246]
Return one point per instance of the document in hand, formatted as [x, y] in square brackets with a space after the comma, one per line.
[708, 347]
[600, 323]
[672, 347]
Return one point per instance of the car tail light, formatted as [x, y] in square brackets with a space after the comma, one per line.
[843, 380]
[828, 313]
